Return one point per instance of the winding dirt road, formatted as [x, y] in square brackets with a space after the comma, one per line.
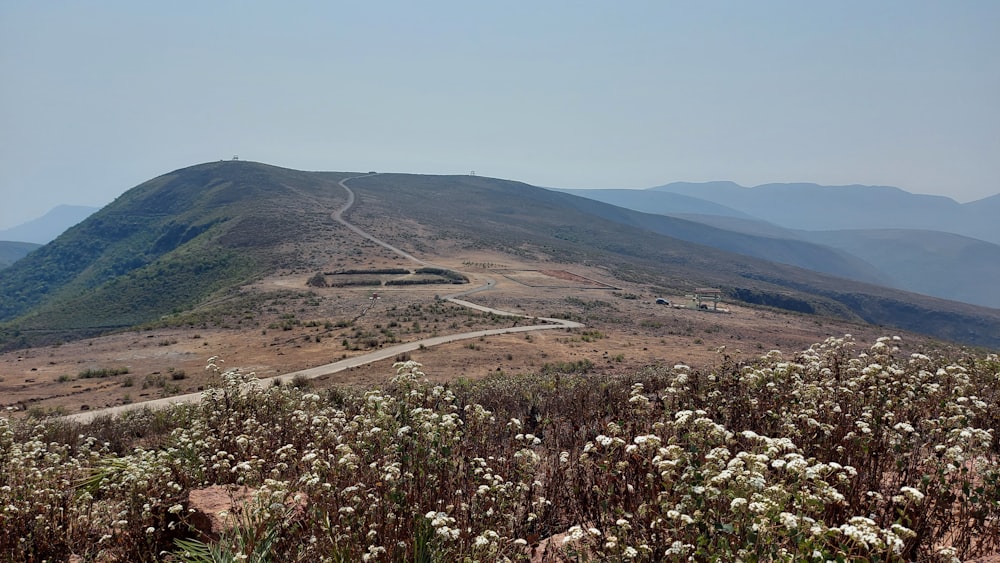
[376, 356]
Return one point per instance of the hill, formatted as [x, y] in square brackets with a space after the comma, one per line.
[659, 202]
[197, 234]
[771, 245]
[11, 252]
[545, 225]
[933, 263]
[814, 207]
[928, 262]
[48, 226]
[936, 263]
[164, 246]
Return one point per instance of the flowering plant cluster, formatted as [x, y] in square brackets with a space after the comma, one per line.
[834, 454]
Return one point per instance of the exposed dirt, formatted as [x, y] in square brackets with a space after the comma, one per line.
[305, 327]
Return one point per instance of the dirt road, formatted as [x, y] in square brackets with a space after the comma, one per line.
[378, 355]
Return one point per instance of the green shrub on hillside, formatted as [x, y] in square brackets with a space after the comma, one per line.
[146, 294]
[93, 373]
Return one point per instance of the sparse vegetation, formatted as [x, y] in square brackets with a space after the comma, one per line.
[589, 305]
[591, 335]
[317, 280]
[96, 373]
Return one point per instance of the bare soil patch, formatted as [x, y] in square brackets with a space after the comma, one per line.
[552, 278]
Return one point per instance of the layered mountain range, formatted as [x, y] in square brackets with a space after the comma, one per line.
[926, 244]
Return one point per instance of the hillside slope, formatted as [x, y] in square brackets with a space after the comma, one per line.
[197, 233]
[661, 215]
[166, 245]
[928, 262]
[546, 225]
[11, 252]
[48, 226]
[822, 208]
[934, 263]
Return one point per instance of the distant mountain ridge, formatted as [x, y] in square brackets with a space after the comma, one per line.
[929, 262]
[938, 263]
[814, 207]
[198, 234]
[789, 250]
[49, 226]
[12, 251]
[660, 202]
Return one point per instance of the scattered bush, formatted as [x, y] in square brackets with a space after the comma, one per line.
[154, 380]
[92, 373]
[591, 335]
[317, 280]
[301, 382]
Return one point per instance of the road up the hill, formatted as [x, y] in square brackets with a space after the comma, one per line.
[371, 357]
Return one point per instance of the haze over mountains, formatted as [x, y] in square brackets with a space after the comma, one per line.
[820, 208]
[926, 244]
[18, 241]
[47, 227]
[12, 251]
[185, 238]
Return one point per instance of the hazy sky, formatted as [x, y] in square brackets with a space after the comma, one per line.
[97, 97]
